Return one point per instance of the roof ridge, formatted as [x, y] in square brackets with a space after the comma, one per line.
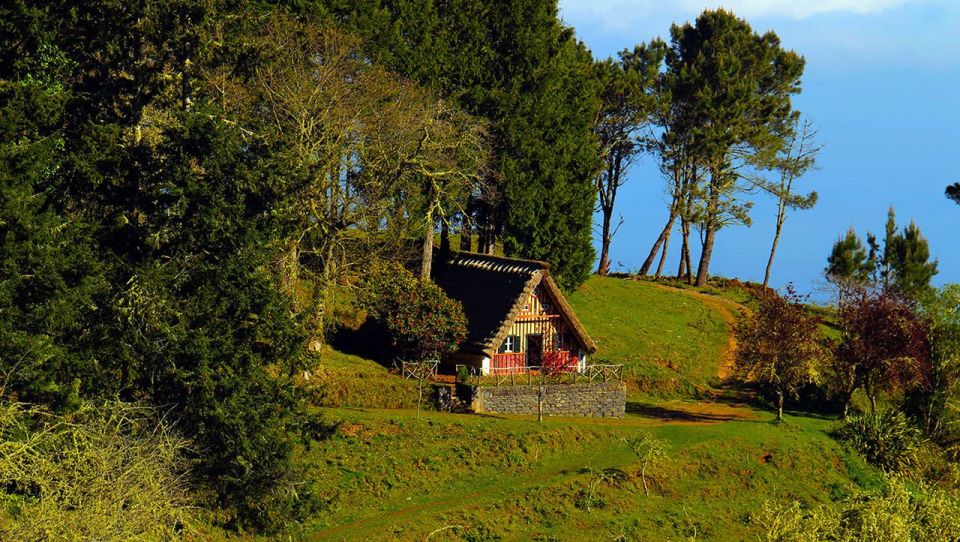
[500, 259]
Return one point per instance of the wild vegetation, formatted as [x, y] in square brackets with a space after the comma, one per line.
[207, 208]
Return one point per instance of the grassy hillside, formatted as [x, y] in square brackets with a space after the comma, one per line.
[669, 340]
[385, 475]
[346, 380]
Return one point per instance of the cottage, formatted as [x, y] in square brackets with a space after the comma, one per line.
[517, 316]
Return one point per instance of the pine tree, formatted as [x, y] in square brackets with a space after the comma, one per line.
[901, 265]
[953, 192]
[912, 268]
[734, 87]
[848, 264]
[628, 100]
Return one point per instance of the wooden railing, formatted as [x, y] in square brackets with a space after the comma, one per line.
[535, 376]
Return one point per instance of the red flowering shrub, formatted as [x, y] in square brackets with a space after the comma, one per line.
[422, 320]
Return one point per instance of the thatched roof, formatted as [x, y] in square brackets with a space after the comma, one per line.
[492, 290]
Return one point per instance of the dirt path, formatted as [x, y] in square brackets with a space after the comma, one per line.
[729, 311]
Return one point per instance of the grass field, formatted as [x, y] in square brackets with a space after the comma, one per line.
[670, 343]
[384, 474]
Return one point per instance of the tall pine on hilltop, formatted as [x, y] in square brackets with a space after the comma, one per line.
[733, 88]
[515, 64]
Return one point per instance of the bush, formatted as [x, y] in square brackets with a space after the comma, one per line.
[887, 440]
[892, 515]
[421, 320]
[108, 473]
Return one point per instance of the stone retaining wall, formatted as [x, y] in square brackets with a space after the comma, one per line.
[599, 399]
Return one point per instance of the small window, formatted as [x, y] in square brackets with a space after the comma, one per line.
[545, 307]
[536, 291]
[510, 344]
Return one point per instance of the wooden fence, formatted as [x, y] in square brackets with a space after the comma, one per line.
[537, 376]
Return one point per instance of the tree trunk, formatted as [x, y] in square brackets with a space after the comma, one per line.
[776, 240]
[419, 396]
[466, 241]
[643, 477]
[444, 238]
[604, 266]
[684, 270]
[779, 405]
[540, 404]
[869, 389]
[666, 245]
[703, 269]
[427, 255]
[664, 233]
[607, 192]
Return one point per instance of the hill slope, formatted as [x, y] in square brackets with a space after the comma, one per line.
[670, 340]
[387, 475]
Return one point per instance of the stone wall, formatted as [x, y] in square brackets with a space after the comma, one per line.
[600, 399]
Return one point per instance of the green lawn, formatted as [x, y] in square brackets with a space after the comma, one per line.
[386, 475]
[670, 343]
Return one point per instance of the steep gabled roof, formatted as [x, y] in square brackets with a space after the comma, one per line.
[492, 290]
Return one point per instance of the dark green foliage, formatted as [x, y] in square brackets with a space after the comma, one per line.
[50, 282]
[848, 264]
[909, 255]
[423, 322]
[953, 192]
[515, 64]
[932, 405]
[137, 240]
[887, 440]
[902, 264]
[731, 91]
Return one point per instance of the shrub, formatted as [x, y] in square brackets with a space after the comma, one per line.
[891, 515]
[422, 321]
[885, 346]
[779, 345]
[107, 473]
[887, 440]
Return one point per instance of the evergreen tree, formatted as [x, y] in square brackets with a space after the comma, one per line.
[734, 87]
[628, 100]
[515, 64]
[848, 264]
[902, 264]
[887, 259]
[953, 192]
[138, 227]
[50, 282]
[913, 270]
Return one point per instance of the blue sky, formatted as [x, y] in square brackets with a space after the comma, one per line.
[881, 85]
